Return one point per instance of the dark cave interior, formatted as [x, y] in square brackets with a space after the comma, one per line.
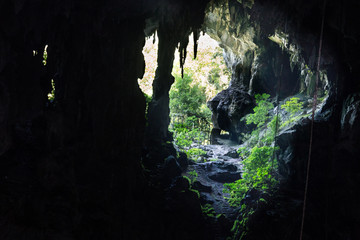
[89, 165]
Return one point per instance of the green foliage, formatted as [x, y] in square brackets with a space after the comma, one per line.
[258, 166]
[193, 176]
[208, 210]
[257, 174]
[292, 106]
[188, 179]
[45, 55]
[237, 191]
[195, 153]
[184, 135]
[259, 162]
[196, 192]
[188, 103]
[258, 155]
[214, 77]
[185, 98]
[261, 111]
[51, 95]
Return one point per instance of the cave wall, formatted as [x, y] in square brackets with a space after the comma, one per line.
[332, 209]
[67, 166]
[257, 63]
[72, 168]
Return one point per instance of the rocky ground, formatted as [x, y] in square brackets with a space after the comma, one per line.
[221, 165]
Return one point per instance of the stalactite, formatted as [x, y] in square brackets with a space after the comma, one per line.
[196, 37]
[154, 37]
[182, 51]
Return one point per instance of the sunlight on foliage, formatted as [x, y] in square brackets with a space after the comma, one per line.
[190, 117]
[193, 176]
[258, 154]
[292, 106]
[45, 55]
[208, 69]
[51, 95]
[258, 162]
[195, 153]
[208, 210]
[261, 111]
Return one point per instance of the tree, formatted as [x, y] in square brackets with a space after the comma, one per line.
[186, 99]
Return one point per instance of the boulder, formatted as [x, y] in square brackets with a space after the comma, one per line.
[225, 177]
[171, 167]
[228, 107]
[183, 161]
[201, 187]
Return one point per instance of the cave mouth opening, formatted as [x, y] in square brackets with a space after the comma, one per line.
[203, 78]
[267, 95]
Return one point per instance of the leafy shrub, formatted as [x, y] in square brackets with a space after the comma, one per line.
[185, 98]
[184, 136]
[292, 106]
[188, 102]
[214, 77]
[258, 155]
[193, 176]
[257, 174]
[195, 153]
[51, 95]
[208, 210]
[261, 111]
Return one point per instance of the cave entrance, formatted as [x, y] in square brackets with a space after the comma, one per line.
[266, 94]
[203, 78]
[210, 165]
[212, 162]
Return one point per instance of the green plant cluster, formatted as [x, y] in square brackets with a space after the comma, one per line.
[185, 135]
[195, 153]
[258, 156]
[193, 176]
[186, 98]
[45, 55]
[292, 107]
[240, 226]
[51, 95]
[190, 115]
[261, 110]
[208, 210]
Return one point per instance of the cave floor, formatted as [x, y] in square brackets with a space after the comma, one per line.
[221, 164]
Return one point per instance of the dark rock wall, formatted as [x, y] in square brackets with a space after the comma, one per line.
[69, 168]
[332, 208]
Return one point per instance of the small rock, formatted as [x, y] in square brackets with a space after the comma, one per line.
[171, 167]
[183, 161]
[205, 198]
[180, 184]
[201, 187]
[229, 167]
[225, 177]
[232, 154]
